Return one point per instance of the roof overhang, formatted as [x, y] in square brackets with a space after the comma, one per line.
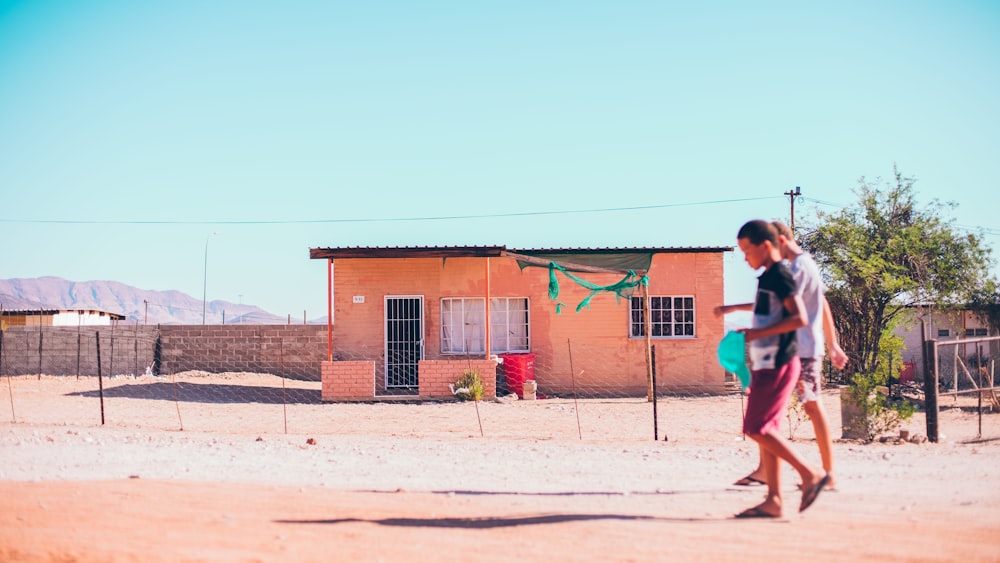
[333, 253]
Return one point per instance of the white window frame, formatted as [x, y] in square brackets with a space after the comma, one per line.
[510, 329]
[467, 336]
[684, 327]
[462, 324]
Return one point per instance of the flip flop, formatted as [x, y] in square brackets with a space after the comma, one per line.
[755, 512]
[810, 495]
[749, 481]
[829, 488]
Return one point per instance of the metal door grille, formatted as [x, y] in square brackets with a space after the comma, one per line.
[404, 340]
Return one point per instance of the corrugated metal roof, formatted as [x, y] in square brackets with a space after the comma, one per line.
[491, 251]
[44, 312]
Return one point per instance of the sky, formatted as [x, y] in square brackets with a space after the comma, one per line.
[131, 132]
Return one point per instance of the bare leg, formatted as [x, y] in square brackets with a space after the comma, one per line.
[822, 429]
[756, 476]
[772, 443]
[771, 474]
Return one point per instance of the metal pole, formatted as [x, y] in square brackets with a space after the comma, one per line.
[979, 366]
[931, 389]
[204, 286]
[10, 389]
[656, 427]
[576, 406]
[135, 346]
[111, 363]
[329, 310]
[647, 329]
[39, 344]
[100, 377]
[281, 372]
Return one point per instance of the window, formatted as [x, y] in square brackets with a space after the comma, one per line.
[669, 317]
[509, 324]
[944, 333]
[975, 332]
[463, 328]
[462, 325]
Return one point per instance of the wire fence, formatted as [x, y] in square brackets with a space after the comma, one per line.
[960, 374]
[269, 379]
[270, 382]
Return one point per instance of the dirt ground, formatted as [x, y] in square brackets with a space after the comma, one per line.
[253, 468]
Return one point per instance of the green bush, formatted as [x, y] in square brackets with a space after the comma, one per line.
[880, 415]
[469, 387]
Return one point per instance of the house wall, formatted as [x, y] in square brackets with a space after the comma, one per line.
[85, 318]
[26, 320]
[956, 322]
[61, 318]
[594, 341]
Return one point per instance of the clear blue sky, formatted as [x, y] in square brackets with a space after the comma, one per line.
[131, 131]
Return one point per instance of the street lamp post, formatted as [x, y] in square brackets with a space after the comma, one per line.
[204, 287]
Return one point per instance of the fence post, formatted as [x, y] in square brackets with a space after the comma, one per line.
[931, 389]
[39, 347]
[100, 377]
[78, 351]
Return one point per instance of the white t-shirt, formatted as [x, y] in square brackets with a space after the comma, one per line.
[809, 284]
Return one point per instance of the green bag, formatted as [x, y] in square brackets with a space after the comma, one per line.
[732, 356]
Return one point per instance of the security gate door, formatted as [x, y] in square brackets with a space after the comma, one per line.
[404, 340]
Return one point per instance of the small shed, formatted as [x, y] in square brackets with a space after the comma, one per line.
[59, 317]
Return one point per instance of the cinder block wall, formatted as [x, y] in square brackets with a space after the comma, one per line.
[294, 351]
[125, 350]
[348, 381]
[436, 375]
[289, 350]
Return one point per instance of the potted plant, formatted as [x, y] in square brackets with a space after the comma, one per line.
[865, 406]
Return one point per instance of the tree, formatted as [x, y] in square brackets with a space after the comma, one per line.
[888, 255]
[985, 303]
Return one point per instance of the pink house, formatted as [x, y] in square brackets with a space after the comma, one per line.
[404, 322]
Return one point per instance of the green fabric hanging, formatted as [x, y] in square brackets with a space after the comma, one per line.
[623, 288]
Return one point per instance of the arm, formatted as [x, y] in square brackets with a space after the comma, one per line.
[725, 309]
[837, 356]
[794, 321]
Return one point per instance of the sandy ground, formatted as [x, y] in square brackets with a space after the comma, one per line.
[203, 469]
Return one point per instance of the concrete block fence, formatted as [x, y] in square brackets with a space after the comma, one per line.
[294, 351]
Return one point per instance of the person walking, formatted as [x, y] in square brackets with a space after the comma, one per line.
[778, 312]
[819, 328]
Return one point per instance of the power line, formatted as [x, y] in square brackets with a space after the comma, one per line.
[969, 228]
[378, 219]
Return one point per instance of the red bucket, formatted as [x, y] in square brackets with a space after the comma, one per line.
[518, 368]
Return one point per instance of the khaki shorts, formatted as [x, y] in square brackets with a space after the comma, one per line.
[810, 380]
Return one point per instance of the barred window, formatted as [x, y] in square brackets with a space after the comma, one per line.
[670, 316]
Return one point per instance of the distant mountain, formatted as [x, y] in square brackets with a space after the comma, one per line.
[138, 305]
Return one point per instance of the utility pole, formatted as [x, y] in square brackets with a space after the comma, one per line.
[791, 199]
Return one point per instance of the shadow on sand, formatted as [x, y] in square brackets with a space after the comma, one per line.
[216, 393]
